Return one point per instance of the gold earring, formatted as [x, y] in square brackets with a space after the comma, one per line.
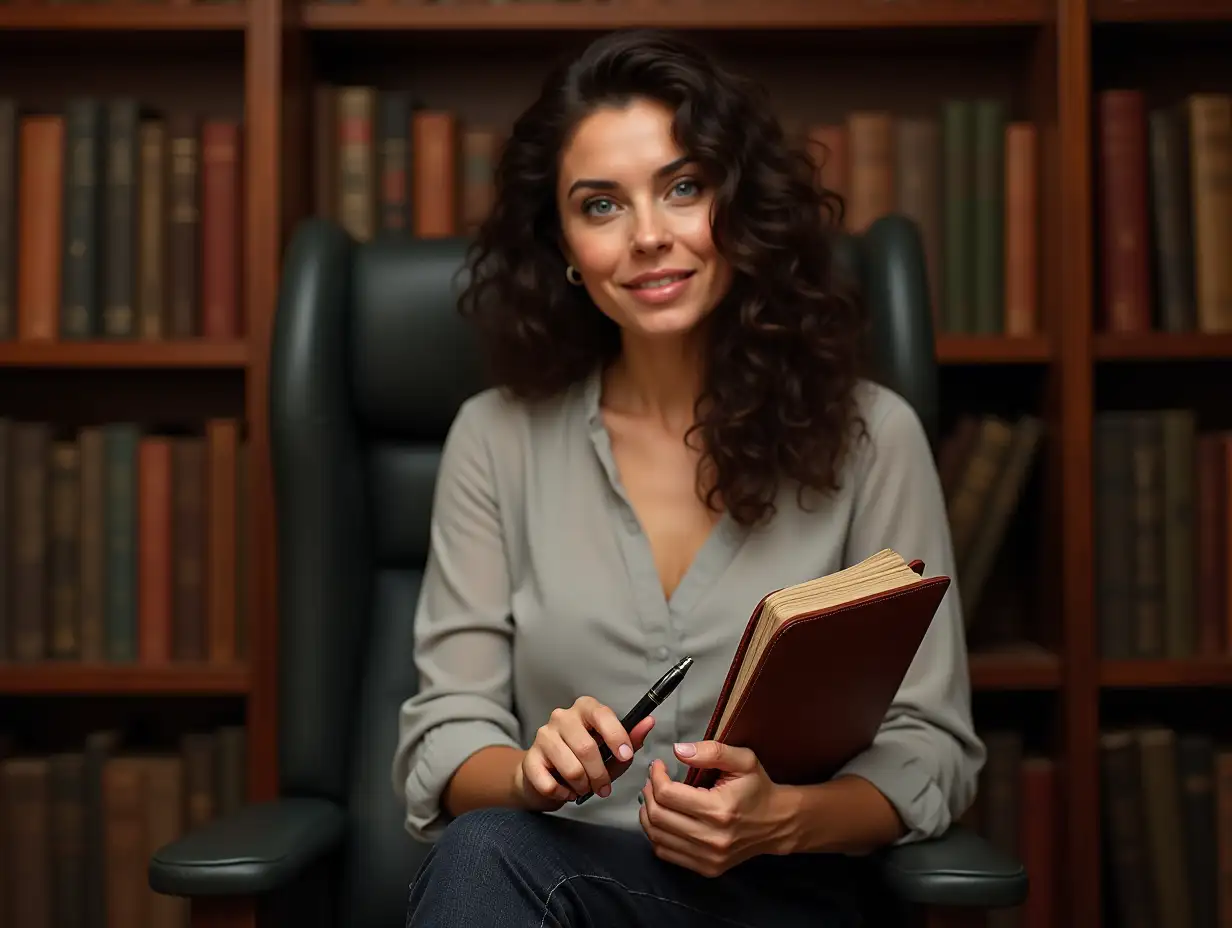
[572, 275]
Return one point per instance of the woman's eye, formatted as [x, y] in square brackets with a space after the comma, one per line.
[685, 188]
[599, 207]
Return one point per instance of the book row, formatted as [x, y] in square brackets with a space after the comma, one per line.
[118, 221]
[1163, 535]
[1167, 812]
[383, 164]
[969, 176]
[1017, 809]
[127, 545]
[984, 463]
[83, 824]
[1164, 212]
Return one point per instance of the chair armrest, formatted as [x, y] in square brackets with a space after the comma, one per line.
[958, 869]
[260, 848]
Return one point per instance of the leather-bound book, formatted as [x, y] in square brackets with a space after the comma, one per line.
[834, 648]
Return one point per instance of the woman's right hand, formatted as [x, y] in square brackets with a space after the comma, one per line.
[566, 752]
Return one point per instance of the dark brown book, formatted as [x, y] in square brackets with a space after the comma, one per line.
[8, 219]
[231, 771]
[1171, 218]
[155, 546]
[479, 155]
[1121, 182]
[1001, 805]
[1114, 536]
[1022, 229]
[40, 221]
[222, 448]
[185, 225]
[99, 747]
[67, 835]
[1210, 146]
[958, 216]
[1195, 761]
[1128, 847]
[1147, 473]
[84, 167]
[27, 841]
[1179, 517]
[124, 841]
[1223, 827]
[988, 257]
[966, 506]
[198, 750]
[152, 231]
[188, 490]
[917, 187]
[434, 174]
[92, 544]
[955, 448]
[31, 445]
[1039, 840]
[870, 136]
[1211, 592]
[220, 229]
[63, 548]
[836, 647]
[120, 219]
[120, 443]
[356, 169]
[1161, 799]
[393, 157]
[325, 143]
[164, 810]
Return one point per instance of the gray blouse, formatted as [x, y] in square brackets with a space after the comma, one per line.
[540, 587]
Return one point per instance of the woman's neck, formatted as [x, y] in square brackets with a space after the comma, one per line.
[658, 380]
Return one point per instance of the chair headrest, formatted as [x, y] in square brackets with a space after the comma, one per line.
[413, 359]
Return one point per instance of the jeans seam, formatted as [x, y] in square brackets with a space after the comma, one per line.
[547, 902]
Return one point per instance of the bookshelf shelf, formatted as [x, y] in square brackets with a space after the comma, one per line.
[119, 18]
[109, 679]
[1015, 671]
[993, 349]
[170, 354]
[728, 14]
[1161, 11]
[1163, 346]
[1187, 672]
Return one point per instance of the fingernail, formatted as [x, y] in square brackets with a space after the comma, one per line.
[624, 751]
[686, 750]
[605, 791]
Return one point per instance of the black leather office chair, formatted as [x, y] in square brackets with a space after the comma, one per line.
[370, 363]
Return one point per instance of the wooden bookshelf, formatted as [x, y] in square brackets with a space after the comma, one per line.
[129, 355]
[125, 18]
[261, 62]
[690, 14]
[120, 680]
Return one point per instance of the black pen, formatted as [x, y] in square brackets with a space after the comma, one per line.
[654, 697]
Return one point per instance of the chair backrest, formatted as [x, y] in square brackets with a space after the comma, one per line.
[370, 363]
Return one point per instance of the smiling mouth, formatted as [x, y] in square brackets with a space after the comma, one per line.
[659, 282]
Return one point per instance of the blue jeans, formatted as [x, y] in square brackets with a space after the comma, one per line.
[506, 868]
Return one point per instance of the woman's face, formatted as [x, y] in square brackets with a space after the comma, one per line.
[636, 222]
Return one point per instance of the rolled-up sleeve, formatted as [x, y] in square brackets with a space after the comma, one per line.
[463, 632]
[926, 756]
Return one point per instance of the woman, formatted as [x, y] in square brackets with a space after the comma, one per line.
[680, 428]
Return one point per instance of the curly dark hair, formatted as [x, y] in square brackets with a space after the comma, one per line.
[783, 353]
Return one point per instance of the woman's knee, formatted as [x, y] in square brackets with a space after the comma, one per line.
[486, 836]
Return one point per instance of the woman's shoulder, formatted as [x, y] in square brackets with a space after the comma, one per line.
[504, 424]
[888, 424]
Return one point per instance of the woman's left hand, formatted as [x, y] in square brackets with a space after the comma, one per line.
[711, 830]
